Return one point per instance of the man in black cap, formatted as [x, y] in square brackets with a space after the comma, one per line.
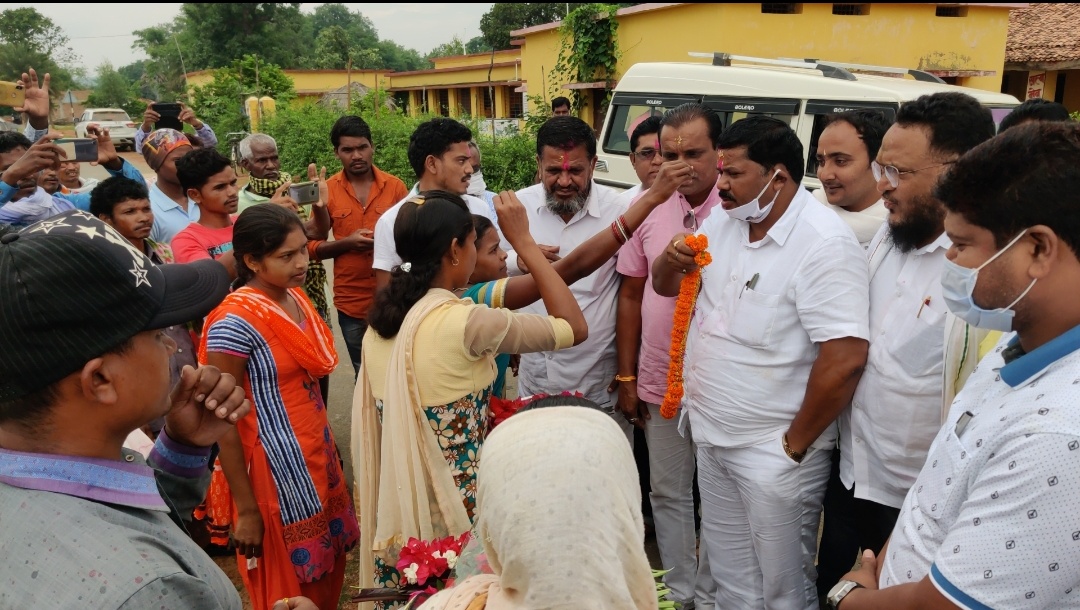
[85, 362]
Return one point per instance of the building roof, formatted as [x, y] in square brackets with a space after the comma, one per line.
[1043, 34]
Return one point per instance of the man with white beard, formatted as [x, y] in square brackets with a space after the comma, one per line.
[565, 209]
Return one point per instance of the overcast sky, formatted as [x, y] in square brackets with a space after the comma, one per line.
[102, 31]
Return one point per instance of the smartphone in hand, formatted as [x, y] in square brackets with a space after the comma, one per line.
[170, 116]
[82, 150]
[12, 94]
[304, 193]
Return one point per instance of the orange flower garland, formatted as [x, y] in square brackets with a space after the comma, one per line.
[684, 309]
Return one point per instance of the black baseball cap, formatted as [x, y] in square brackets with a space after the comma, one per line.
[72, 288]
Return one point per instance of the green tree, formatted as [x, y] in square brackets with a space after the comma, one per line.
[163, 72]
[360, 29]
[218, 33]
[113, 90]
[29, 39]
[477, 44]
[398, 58]
[334, 47]
[448, 49]
[221, 102]
[505, 17]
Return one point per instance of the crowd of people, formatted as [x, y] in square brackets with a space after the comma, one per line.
[866, 424]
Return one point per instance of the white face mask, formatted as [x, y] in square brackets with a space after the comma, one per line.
[752, 211]
[477, 186]
[958, 288]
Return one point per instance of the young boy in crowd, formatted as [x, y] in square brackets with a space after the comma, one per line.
[210, 181]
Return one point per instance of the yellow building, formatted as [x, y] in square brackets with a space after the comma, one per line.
[479, 85]
[313, 83]
[1042, 57]
[963, 44]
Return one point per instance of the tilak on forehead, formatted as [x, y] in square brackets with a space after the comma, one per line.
[563, 158]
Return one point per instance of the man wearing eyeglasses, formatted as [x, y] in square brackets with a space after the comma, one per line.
[904, 393]
[687, 144]
[645, 157]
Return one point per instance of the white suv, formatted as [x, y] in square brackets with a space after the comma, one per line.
[121, 127]
[799, 92]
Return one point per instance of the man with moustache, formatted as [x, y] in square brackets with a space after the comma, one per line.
[898, 407]
[645, 157]
[688, 138]
[848, 144]
[124, 205]
[360, 194]
[565, 210]
[71, 181]
[774, 351]
[440, 154]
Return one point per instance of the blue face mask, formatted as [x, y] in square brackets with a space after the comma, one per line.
[958, 288]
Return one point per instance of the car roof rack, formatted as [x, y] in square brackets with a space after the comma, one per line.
[828, 69]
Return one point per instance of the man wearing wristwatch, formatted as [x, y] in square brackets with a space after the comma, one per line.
[991, 520]
[775, 348]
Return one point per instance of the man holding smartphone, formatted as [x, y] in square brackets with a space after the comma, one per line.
[151, 117]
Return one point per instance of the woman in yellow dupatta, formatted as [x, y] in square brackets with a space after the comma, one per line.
[421, 404]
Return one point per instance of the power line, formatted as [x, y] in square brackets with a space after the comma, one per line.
[107, 36]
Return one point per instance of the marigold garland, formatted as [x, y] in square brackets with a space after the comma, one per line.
[684, 309]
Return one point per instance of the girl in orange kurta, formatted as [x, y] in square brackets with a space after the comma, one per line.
[293, 517]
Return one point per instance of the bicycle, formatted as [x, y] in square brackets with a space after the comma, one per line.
[233, 140]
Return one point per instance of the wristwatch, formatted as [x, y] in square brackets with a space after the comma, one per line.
[840, 591]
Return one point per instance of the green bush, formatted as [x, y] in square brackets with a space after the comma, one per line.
[303, 136]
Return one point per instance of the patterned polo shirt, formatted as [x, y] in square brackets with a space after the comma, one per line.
[994, 516]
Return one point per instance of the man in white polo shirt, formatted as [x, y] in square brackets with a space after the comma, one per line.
[439, 153]
[565, 210]
[774, 352]
[992, 520]
[896, 410]
[847, 146]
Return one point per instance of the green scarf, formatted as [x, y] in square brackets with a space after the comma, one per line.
[264, 187]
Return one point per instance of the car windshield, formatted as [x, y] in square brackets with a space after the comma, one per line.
[112, 115]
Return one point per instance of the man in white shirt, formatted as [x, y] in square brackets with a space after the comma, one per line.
[565, 210]
[774, 352]
[645, 157]
[849, 142]
[896, 410]
[991, 521]
[439, 153]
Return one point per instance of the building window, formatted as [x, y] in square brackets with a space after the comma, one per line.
[517, 103]
[465, 101]
[444, 102]
[850, 9]
[951, 11]
[489, 102]
[781, 9]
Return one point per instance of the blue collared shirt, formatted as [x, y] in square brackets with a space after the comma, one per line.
[169, 217]
[97, 532]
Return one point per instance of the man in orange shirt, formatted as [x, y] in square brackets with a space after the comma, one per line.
[359, 194]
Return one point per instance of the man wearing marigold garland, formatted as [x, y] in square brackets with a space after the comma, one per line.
[775, 348]
[688, 138]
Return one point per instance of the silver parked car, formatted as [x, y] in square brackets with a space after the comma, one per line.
[121, 127]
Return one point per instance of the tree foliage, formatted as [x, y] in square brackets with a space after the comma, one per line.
[209, 36]
[505, 17]
[221, 102]
[448, 49]
[114, 90]
[477, 44]
[30, 39]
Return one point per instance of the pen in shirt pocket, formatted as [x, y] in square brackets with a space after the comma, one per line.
[962, 423]
[925, 302]
[750, 284]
